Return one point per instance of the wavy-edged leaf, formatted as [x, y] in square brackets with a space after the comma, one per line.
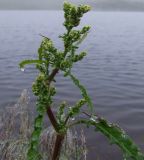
[116, 136]
[33, 153]
[31, 61]
[38, 121]
[83, 91]
[75, 110]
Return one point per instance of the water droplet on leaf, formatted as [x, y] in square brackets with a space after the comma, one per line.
[73, 119]
[70, 108]
[22, 69]
[92, 119]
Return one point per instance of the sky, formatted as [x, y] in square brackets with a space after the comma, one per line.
[126, 5]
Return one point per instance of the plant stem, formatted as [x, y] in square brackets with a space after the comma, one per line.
[67, 118]
[52, 118]
[52, 75]
[59, 137]
[57, 147]
[49, 110]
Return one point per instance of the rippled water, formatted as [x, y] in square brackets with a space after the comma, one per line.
[113, 71]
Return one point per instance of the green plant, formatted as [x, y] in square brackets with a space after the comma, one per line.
[51, 61]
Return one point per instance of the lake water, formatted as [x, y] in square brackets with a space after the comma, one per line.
[113, 71]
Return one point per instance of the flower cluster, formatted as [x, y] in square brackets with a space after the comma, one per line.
[73, 14]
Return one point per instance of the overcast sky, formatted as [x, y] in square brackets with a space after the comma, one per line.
[137, 5]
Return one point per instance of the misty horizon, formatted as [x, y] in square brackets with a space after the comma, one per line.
[98, 5]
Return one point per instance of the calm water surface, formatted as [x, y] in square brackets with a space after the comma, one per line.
[113, 71]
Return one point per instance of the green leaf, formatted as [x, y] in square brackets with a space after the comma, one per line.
[61, 110]
[73, 111]
[35, 136]
[83, 91]
[33, 155]
[116, 136]
[39, 121]
[25, 62]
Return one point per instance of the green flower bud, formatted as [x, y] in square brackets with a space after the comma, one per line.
[52, 91]
[64, 64]
[73, 14]
[73, 11]
[82, 54]
[40, 78]
[85, 8]
[35, 89]
[79, 57]
[67, 6]
[46, 43]
[40, 68]
[47, 46]
[74, 35]
[81, 102]
[85, 29]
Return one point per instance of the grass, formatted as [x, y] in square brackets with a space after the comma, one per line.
[15, 130]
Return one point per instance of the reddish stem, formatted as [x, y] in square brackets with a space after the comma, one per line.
[49, 110]
[57, 147]
[52, 118]
[51, 77]
[59, 137]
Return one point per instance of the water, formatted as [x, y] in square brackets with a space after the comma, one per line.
[113, 71]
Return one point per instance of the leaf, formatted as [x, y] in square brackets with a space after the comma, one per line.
[75, 110]
[33, 155]
[35, 136]
[60, 113]
[116, 136]
[25, 62]
[38, 121]
[83, 91]
[34, 142]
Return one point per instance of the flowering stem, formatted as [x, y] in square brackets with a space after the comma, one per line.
[59, 137]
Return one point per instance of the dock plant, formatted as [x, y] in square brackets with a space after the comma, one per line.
[50, 62]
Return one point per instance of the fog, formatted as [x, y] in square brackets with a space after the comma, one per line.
[126, 5]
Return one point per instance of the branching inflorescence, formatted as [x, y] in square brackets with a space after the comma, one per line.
[49, 62]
